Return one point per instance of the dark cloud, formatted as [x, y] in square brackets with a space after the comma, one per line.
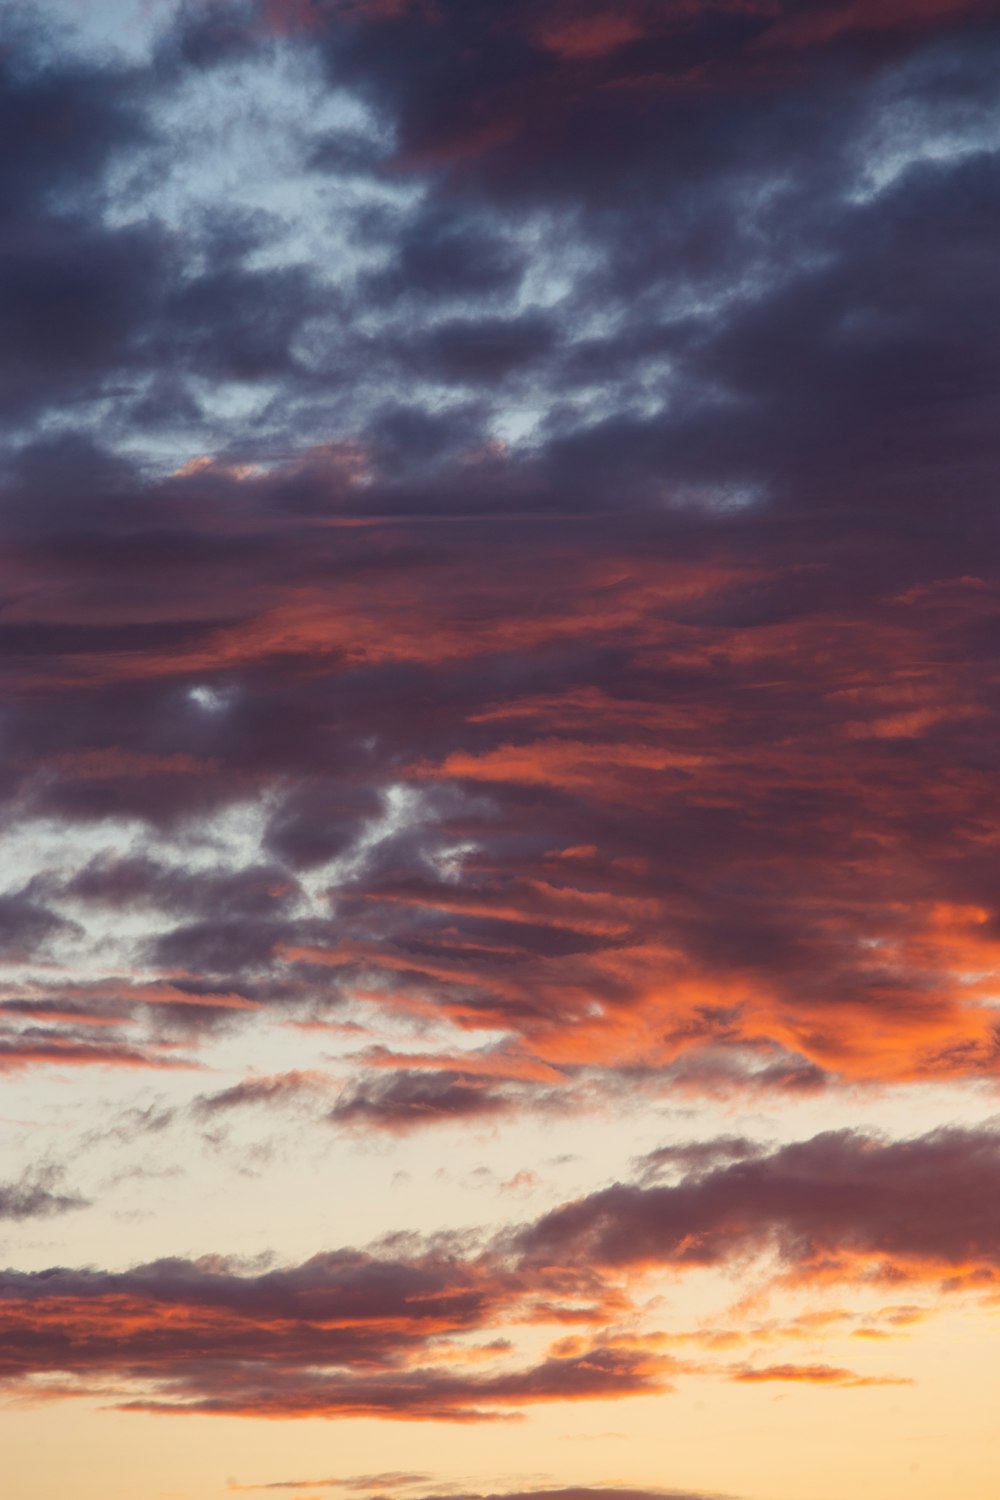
[65, 1047]
[444, 253]
[692, 1157]
[403, 1101]
[583, 1492]
[76, 293]
[27, 926]
[561, 102]
[240, 324]
[332, 1336]
[209, 36]
[840, 1204]
[316, 823]
[74, 305]
[68, 119]
[420, 1395]
[33, 1197]
[475, 349]
[575, 719]
[137, 881]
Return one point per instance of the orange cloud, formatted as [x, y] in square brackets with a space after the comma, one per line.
[811, 1375]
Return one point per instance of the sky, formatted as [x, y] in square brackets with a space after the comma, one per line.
[500, 632]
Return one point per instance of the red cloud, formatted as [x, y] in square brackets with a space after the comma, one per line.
[652, 877]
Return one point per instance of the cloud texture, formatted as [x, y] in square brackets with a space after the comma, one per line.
[501, 625]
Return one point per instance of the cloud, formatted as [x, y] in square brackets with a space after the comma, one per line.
[841, 1206]
[585, 1492]
[383, 1333]
[391, 1480]
[30, 1046]
[518, 102]
[278, 1088]
[416, 1395]
[32, 1197]
[409, 1100]
[692, 1157]
[346, 1333]
[26, 926]
[589, 719]
[500, 571]
[811, 1375]
[532, 730]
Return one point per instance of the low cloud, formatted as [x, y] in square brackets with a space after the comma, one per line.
[372, 1333]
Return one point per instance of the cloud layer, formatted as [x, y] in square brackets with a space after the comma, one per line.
[404, 1335]
[500, 624]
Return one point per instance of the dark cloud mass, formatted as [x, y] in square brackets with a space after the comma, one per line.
[404, 1100]
[825, 1205]
[697, 675]
[501, 565]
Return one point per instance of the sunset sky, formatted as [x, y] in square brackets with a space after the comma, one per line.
[500, 895]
